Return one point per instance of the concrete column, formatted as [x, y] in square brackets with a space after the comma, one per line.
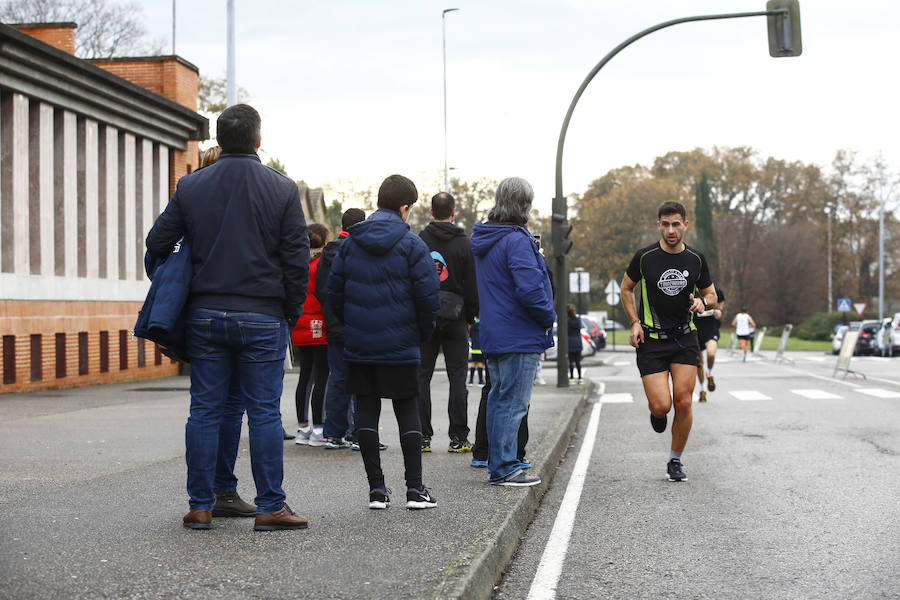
[16, 248]
[45, 183]
[70, 193]
[91, 201]
[148, 205]
[112, 202]
[127, 201]
[163, 179]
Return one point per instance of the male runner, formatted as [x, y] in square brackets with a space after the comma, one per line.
[744, 325]
[665, 335]
[708, 323]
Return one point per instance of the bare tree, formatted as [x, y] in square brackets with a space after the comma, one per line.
[211, 97]
[105, 29]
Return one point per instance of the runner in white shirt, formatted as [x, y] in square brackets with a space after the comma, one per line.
[743, 328]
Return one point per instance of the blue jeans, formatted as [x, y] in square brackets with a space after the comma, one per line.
[229, 438]
[249, 349]
[512, 378]
[337, 400]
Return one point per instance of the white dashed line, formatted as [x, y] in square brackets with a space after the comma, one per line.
[879, 393]
[816, 394]
[749, 395]
[616, 398]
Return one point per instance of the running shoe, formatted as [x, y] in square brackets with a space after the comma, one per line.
[355, 446]
[479, 464]
[379, 498]
[336, 443]
[426, 444]
[702, 397]
[712, 383]
[520, 480]
[302, 437]
[658, 423]
[675, 471]
[317, 439]
[459, 446]
[419, 498]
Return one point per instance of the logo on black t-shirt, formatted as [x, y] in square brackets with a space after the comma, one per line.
[672, 282]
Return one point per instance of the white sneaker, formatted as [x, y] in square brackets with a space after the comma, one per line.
[302, 438]
[316, 439]
[540, 381]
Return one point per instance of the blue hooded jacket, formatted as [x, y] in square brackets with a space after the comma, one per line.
[383, 286]
[162, 319]
[514, 292]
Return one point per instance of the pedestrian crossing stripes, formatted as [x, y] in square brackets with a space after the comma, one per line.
[755, 395]
[816, 394]
[878, 392]
[749, 395]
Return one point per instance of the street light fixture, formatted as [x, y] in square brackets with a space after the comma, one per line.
[444, 46]
[784, 40]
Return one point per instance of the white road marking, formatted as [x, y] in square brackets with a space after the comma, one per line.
[889, 381]
[749, 395]
[616, 398]
[815, 358]
[828, 379]
[879, 393]
[543, 587]
[621, 363]
[816, 394]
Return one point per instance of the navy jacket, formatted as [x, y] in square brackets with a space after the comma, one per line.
[334, 329]
[384, 288]
[514, 294]
[162, 317]
[249, 245]
[573, 326]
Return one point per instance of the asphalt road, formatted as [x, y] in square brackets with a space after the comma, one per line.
[793, 491]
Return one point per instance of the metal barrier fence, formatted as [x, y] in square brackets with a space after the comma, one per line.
[848, 345]
[757, 343]
[782, 344]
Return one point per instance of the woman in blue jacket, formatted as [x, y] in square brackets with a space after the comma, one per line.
[516, 311]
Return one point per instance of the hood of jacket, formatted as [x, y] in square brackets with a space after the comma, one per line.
[486, 235]
[444, 231]
[380, 232]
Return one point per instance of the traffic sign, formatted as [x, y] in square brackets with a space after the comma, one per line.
[860, 307]
[579, 282]
[612, 298]
[612, 287]
[843, 305]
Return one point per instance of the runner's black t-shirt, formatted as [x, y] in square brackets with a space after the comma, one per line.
[668, 282]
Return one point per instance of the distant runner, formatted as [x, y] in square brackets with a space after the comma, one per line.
[744, 327]
[665, 335]
[708, 323]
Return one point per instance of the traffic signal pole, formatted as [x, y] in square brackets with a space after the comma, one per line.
[784, 40]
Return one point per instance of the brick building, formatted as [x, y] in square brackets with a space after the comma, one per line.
[89, 155]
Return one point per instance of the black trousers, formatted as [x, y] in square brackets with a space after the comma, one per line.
[480, 448]
[368, 412]
[312, 383]
[574, 362]
[453, 338]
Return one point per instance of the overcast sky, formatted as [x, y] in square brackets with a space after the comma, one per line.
[353, 88]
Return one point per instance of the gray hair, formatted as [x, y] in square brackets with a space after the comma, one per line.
[513, 201]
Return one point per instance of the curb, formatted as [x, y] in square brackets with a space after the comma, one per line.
[480, 563]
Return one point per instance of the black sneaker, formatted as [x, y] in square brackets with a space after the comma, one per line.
[426, 444]
[459, 446]
[712, 383]
[658, 423]
[520, 480]
[379, 498]
[230, 504]
[675, 471]
[418, 498]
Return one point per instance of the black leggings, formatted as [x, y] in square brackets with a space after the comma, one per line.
[574, 363]
[311, 386]
[368, 412]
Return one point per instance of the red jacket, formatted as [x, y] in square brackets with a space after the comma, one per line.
[310, 328]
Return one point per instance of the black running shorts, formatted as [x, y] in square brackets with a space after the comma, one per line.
[655, 356]
[707, 329]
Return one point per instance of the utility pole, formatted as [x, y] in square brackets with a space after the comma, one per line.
[230, 84]
[173, 27]
[444, 46]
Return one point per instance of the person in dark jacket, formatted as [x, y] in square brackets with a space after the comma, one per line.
[573, 325]
[384, 288]
[459, 306]
[250, 255]
[337, 399]
[516, 305]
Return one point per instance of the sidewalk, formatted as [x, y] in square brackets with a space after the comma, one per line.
[92, 495]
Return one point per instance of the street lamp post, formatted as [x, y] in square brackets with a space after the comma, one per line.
[784, 40]
[830, 296]
[444, 46]
[230, 84]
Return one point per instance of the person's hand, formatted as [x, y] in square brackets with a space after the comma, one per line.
[717, 313]
[697, 304]
[637, 334]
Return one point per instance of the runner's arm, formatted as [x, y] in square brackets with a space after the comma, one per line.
[627, 292]
[707, 298]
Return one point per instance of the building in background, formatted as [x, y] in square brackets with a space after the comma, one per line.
[90, 152]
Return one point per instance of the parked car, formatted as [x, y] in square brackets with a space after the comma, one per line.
[613, 325]
[587, 346]
[867, 344]
[883, 338]
[598, 335]
[838, 339]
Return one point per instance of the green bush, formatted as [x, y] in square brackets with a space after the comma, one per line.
[820, 326]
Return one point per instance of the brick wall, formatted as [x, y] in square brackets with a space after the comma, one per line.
[58, 35]
[67, 338]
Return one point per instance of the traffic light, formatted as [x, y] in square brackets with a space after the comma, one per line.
[561, 242]
[784, 28]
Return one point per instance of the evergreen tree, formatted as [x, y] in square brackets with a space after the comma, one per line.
[705, 235]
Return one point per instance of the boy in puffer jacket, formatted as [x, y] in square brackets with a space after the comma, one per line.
[384, 288]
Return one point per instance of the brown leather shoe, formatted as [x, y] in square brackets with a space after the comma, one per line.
[230, 504]
[198, 519]
[283, 519]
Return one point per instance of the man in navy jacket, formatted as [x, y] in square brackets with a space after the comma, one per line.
[384, 288]
[250, 255]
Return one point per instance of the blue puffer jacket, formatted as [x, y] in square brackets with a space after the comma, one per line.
[384, 288]
[515, 297]
[161, 319]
